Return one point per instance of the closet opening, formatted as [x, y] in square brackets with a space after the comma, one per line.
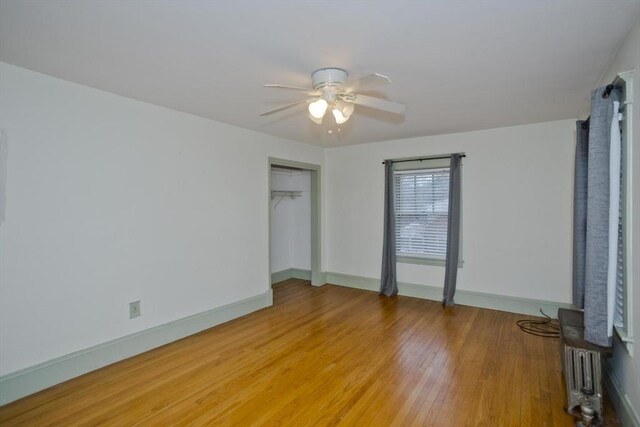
[294, 221]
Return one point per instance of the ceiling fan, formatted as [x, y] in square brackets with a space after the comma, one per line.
[331, 92]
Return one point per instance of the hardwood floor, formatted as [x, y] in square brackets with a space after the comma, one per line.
[325, 356]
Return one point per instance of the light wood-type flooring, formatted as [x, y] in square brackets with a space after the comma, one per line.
[325, 356]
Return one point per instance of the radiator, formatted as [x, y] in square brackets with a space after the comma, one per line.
[582, 370]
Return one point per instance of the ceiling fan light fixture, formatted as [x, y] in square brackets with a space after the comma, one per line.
[318, 109]
[342, 111]
[340, 118]
[315, 120]
[346, 108]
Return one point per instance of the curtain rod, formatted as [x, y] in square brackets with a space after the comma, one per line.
[607, 91]
[610, 87]
[421, 159]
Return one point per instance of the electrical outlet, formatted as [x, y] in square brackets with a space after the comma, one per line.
[134, 309]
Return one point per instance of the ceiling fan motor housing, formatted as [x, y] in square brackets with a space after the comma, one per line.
[329, 77]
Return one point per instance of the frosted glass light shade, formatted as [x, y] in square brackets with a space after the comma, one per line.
[342, 111]
[315, 120]
[340, 118]
[318, 108]
[346, 108]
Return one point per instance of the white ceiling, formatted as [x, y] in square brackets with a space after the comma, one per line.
[457, 65]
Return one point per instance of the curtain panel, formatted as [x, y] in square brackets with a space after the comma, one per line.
[592, 240]
[453, 232]
[388, 280]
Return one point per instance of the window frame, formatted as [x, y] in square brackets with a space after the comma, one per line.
[425, 164]
[626, 332]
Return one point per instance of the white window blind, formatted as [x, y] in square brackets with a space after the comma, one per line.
[619, 309]
[421, 212]
[618, 316]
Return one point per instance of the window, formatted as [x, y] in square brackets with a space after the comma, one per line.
[421, 196]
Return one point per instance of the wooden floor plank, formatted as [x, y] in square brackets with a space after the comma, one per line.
[325, 356]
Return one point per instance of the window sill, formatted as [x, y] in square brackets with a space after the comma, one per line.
[424, 261]
[626, 339]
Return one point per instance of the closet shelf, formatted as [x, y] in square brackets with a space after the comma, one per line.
[285, 193]
[281, 194]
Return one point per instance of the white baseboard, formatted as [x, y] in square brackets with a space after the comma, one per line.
[624, 408]
[474, 299]
[290, 273]
[319, 279]
[44, 375]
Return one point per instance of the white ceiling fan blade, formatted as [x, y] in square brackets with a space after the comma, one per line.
[379, 104]
[309, 90]
[371, 81]
[284, 107]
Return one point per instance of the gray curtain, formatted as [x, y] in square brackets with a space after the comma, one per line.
[453, 232]
[580, 211]
[597, 225]
[388, 281]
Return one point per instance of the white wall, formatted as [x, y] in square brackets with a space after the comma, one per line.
[516, 214]
[626, 369]
[291, 221]
[281, 230]
[110, 200]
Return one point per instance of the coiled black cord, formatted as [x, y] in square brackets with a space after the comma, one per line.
[540, 328]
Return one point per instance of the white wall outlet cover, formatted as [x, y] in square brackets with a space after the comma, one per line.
[134, 309]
